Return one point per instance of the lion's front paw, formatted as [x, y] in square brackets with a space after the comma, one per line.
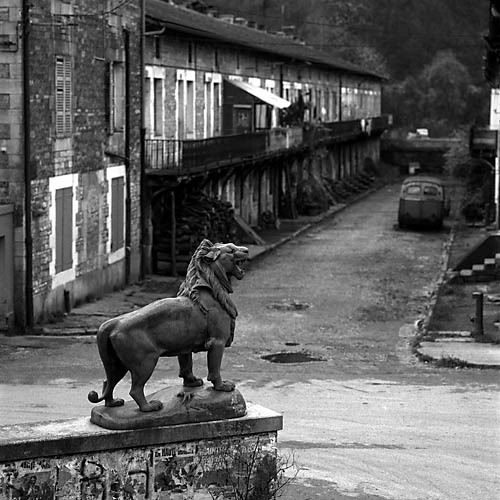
[225, 385]
[153, 405]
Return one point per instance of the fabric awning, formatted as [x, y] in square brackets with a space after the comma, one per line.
[261, 94]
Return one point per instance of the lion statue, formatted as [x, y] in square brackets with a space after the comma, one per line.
[201, 318]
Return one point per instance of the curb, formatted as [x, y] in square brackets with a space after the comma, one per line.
[422, 326]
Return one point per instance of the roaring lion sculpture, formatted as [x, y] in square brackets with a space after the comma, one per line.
[200, 318]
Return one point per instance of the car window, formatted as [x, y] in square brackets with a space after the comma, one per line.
[431, 190]
[413, 189]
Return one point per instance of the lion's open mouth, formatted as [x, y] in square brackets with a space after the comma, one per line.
[239, 264]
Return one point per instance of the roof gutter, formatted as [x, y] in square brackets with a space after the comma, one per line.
[155, 33]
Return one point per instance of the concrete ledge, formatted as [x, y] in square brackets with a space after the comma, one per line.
[77, 436]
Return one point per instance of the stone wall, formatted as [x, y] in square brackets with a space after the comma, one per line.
[75, 460]
[91, 40]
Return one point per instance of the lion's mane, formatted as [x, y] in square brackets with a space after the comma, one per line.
[201, 275]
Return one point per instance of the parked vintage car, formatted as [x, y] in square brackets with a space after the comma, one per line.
[423, 202]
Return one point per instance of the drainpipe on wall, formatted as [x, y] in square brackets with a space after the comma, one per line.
[28, 239]
[128, 249]
[340, 98]
[144, 231]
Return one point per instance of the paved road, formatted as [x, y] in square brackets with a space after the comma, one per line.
[367, 420]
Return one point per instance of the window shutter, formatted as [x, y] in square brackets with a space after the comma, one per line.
[117, 213]
[64, 95]
[64, 229]
[68, 95]
[59, 233]
[59, 95]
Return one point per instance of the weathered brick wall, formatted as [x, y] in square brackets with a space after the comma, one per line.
[42, 228]
[91, 38]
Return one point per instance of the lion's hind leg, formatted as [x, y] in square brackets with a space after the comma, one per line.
[113, 367]
[186, 371]
[141, 373]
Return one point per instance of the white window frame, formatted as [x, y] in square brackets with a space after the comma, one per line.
[209, 116]
[256, 82]
[184, 76]
[55, 183]
[112, 173]
[270, 86]
[155, 73]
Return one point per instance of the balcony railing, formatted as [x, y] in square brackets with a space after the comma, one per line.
[190, 156]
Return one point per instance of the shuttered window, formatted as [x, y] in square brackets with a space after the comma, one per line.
[64, 95]
[158, 106]
[115, 105]
[64, 229]
[117, 213]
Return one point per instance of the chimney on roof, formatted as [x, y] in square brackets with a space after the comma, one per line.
[228, 18]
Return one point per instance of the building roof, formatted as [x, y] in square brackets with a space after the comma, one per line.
[191, 22]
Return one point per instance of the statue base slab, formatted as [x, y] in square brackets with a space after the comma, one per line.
[77, 459]
[181, 405]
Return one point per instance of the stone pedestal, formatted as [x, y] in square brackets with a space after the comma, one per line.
[76, 459]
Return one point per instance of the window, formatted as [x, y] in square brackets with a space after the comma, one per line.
[158, 106]
[62, 213]
[147, 106]
[431, 190]
[217, 108]
[64, 229]
[262, 116]
[190, 109]
[64, 91]
[157, 47]
[208, 109]
[413, 189]
[117, 96]
[185, 93]
[117, 213]
[116, 220]
[190, 53]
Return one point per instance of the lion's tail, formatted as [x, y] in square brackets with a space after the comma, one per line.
[112, 365]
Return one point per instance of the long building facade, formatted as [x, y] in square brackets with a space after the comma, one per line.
[246, 118]
[129, 130]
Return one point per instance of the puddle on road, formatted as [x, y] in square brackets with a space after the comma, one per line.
[294, 305]
[292, 357]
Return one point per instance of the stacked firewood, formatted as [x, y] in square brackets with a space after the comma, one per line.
[341, 190]
[198, 216]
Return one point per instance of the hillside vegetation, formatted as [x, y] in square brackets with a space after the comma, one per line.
[432, 52]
